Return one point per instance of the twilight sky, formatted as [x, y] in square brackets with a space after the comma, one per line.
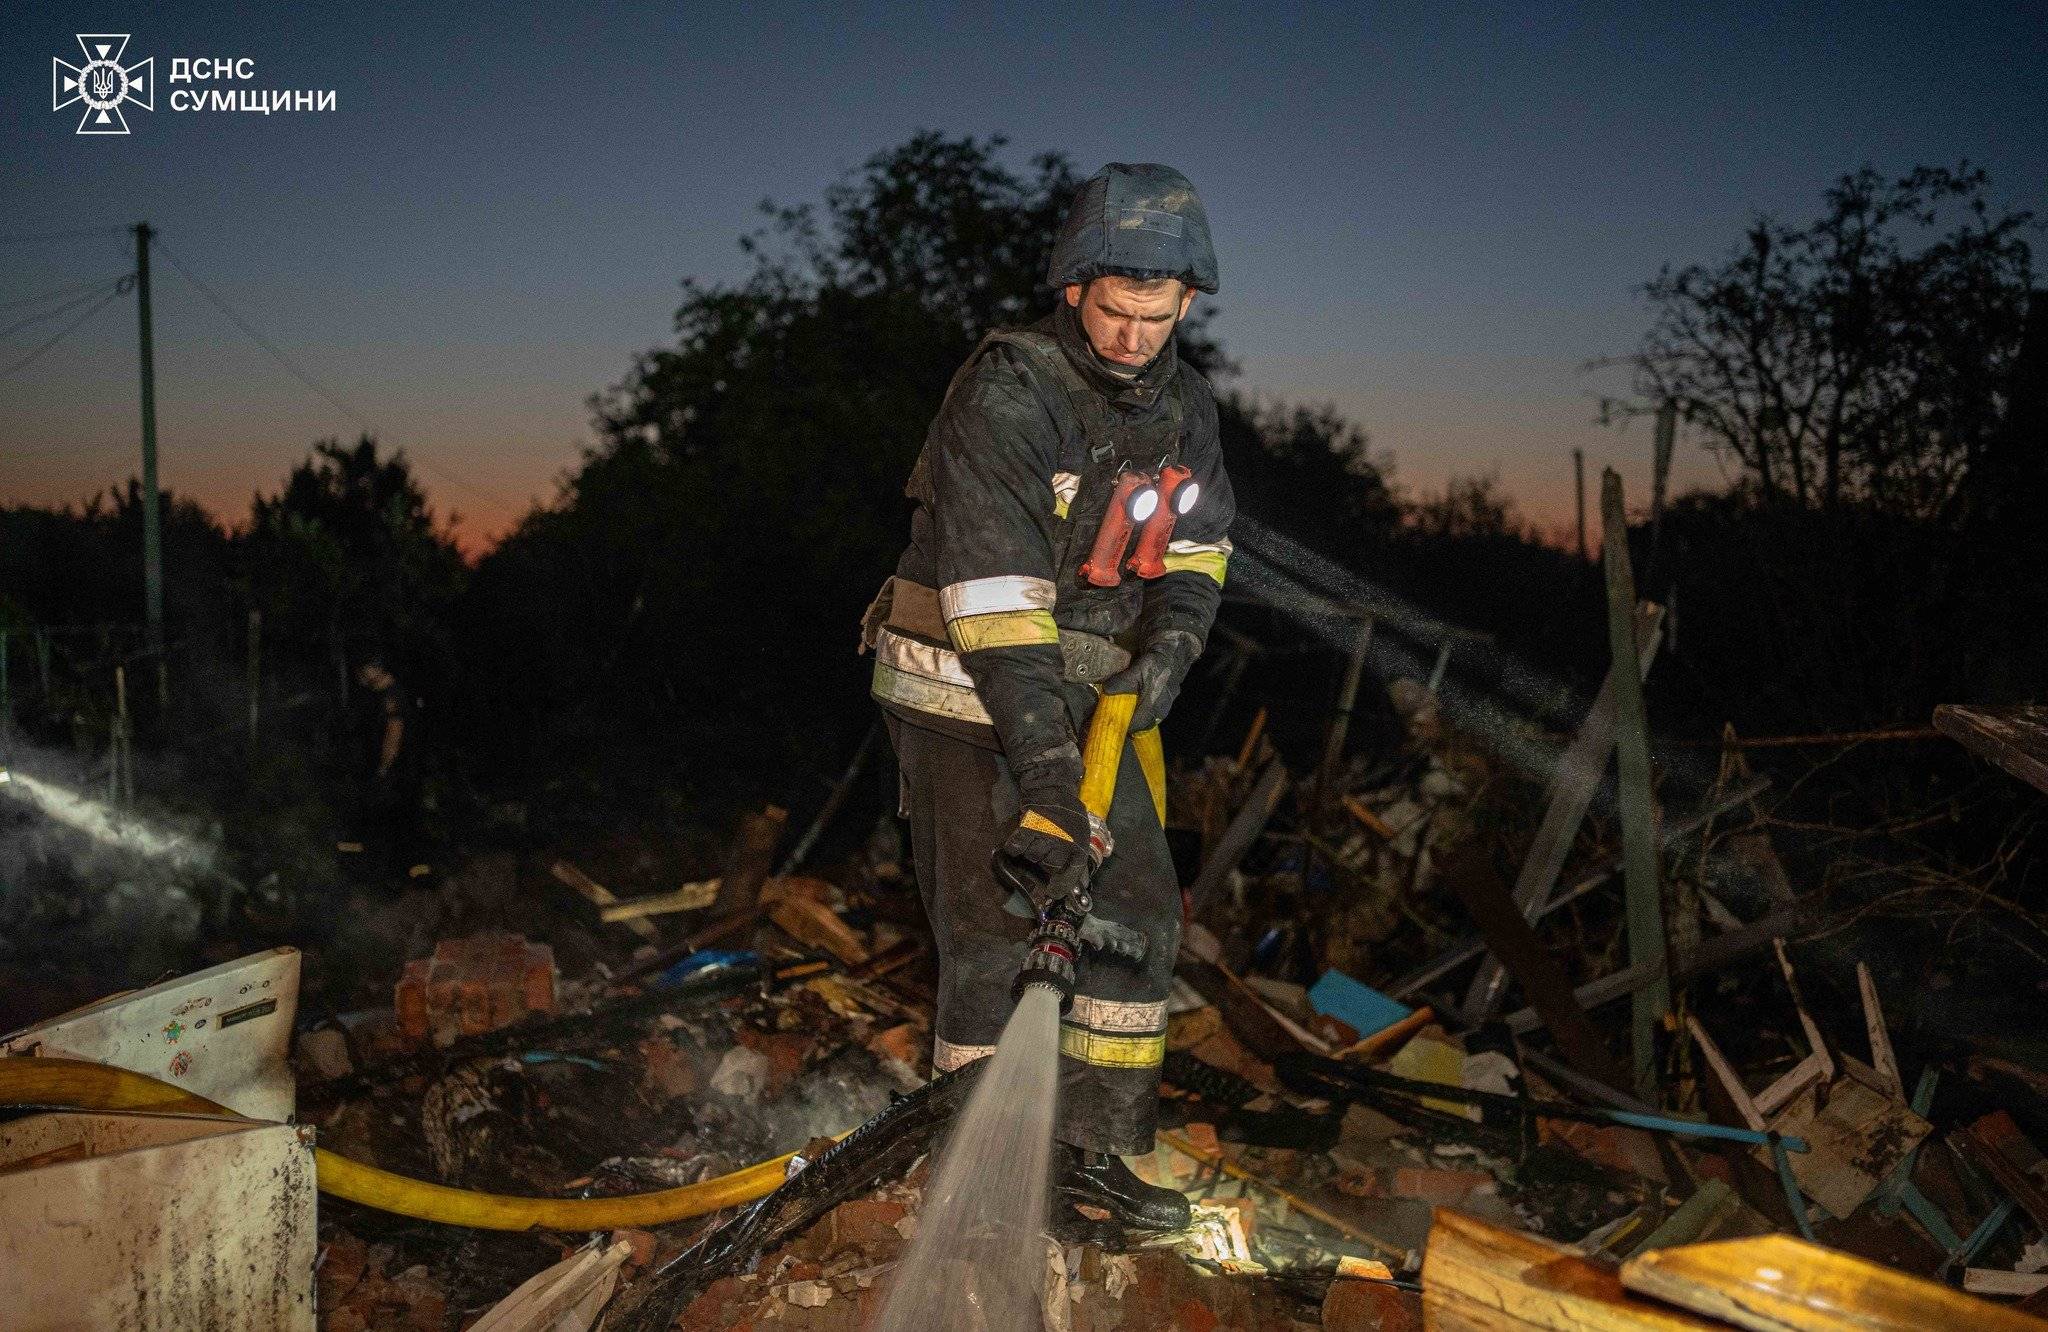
[1430, 216]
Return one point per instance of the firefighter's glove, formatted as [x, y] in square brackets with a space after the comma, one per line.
[1155, 676]
[1045, 857]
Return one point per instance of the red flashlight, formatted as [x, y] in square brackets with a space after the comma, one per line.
[1177, 494]
[1134, 500]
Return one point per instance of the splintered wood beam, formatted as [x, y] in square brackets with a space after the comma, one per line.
[1738, 1095]
[1814, 1041]
[1779, 1094]
[1572, 787]
[1881, 1057]
[1513, 940]
[1778, 1283]
[599, 896]
[1997, 1145]
[1478, 1277]
[1245, 827]
[750, 858]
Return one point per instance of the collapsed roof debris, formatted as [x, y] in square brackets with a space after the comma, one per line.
[635, 1115]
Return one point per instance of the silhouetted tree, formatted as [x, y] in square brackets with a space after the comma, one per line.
[1469, 506]
[347, 558]
[1859, 359]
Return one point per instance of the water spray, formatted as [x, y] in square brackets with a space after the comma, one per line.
[1312, 589]
[102, 823]
[979, 1255]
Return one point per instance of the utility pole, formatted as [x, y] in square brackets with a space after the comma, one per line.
[1579, 487]
[152, 520]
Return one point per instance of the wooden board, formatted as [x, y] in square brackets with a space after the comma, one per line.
[1855, 1140]
[599, 896]
[1778, 1283]
[1996, 1143]
[1513, 941]
[1478, 1277]
[2016, 739]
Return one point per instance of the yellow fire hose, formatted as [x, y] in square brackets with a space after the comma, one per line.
[1152, 761]
[79, 1085]
[1102, 753]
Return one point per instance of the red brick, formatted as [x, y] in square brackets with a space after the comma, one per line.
[539, 979]
[867, 1224]
[902, 1043]
[410, 1000]
[714, 1308]
[642, 1242]
[1371, 1306]
[1437, 1186]
[474, 985]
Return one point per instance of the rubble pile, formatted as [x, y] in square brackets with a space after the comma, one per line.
[1375, 1108]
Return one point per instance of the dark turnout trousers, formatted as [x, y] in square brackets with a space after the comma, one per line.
[962, 803]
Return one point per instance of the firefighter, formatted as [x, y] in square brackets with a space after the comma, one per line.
[1024, 592]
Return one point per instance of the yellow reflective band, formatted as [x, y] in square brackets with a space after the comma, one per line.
[1207, 560]
[972, 633]
[1092, 1047]
[1037, 822]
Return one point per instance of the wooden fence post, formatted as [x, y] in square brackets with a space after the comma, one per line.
[1646, 946]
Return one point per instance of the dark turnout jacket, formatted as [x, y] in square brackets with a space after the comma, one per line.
[1014, 480]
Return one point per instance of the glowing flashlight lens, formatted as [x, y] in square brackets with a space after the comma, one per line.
[1143, 503]
[1184, 498]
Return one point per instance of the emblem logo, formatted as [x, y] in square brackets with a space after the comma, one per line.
[102, 83]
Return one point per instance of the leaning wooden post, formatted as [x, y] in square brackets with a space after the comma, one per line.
[1340, 719]
[1638, 823]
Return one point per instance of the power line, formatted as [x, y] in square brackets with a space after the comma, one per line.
[93, 285]
[28, 360]
[263, 342]
[60, 235]
[50, 313]
[314, 384]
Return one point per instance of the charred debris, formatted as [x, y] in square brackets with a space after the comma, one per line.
[1478, 1023]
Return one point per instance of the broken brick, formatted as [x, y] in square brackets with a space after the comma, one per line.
[903, 1043]
[869, 1225]
[1371, 1306]
[642, 1243]
[666, 1072]
[474, 985]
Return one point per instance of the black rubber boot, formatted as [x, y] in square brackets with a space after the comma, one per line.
[1091, 1179]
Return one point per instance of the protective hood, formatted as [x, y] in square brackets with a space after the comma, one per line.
[1135, 218]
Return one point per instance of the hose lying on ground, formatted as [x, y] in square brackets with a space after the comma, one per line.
[74, 1084]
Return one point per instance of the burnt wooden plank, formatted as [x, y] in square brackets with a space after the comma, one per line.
[2014, 738]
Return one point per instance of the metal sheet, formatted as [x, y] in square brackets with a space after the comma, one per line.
[223, 1033]
[166, 1224]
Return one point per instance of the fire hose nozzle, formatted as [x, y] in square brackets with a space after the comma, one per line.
[1050, 953]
